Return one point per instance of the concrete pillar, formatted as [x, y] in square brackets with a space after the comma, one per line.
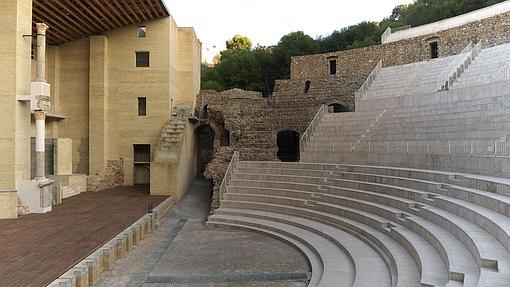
[40, 139]
[41, 52]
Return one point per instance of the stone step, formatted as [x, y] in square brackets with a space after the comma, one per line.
[432, 268]
[408, 274]
[457, 258]
[488, 184]
[69, 192]
[310, 253]
[369, 268]
[337, 267]
[495, 223]
[495, 202]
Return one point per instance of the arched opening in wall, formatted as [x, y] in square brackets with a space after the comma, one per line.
[288, 146]
[205, 148]
[337, 108]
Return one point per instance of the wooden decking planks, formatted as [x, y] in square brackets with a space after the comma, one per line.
[38, 248]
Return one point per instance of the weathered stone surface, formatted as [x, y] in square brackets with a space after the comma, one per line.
[112, 177]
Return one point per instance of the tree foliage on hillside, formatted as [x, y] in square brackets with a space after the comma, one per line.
[256, 69]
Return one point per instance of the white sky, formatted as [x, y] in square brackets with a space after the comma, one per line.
[266, 21]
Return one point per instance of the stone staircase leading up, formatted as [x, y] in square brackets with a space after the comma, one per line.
[170, 142]
[377, 226]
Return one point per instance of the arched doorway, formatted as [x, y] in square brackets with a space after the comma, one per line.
[288, 146]
[337, 108]
[205, 148]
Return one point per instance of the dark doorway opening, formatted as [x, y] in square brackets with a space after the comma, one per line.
[288, 146]
[205, 148]
[142, 164]
[332, 67]
[337, 108]
[434, 50]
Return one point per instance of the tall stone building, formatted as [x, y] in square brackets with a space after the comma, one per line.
[97, 94]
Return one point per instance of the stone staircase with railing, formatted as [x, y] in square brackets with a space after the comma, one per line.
[407, 206]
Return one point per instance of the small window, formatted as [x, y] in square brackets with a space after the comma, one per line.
[307, 86]
[142, 31]
[142, 59]
[332, 67]
[434, 50]
[142, 107]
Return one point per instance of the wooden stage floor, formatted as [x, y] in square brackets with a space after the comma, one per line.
[36, 249]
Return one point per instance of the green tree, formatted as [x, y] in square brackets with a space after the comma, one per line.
[239, 69]
[210, 79]
[290, 45]
[239, 42]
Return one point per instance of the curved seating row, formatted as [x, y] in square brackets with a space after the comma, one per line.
[406, 227]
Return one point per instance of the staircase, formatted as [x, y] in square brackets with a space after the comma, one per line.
[170, 142]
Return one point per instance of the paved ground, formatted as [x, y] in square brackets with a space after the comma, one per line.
[37, 248]
[184, 253]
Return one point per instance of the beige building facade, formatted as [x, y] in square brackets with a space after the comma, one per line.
[113, 92]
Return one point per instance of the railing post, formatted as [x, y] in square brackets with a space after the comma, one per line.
[471, 149]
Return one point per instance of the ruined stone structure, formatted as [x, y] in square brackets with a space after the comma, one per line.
[333, 78]
[412, 188]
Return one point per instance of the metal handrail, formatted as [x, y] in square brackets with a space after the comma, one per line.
[368, 82]
[312, 127]
[228, 174]
[490, 147]
[453, 71]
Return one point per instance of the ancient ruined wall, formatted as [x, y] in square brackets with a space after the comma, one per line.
[492, 30]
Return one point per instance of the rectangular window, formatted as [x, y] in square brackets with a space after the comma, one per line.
[332, 67]
[142, 107]
[434, 50]
[142, 31]
[142, 59]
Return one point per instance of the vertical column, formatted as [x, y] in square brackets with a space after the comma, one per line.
[40, 115]
[40, 138]
[41, 52]
[98, 104]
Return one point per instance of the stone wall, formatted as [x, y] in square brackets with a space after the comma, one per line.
[112, 176]
[493, 31]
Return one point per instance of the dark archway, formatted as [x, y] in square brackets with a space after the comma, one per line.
[288, 146]
[337, 108]
[205, 148]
